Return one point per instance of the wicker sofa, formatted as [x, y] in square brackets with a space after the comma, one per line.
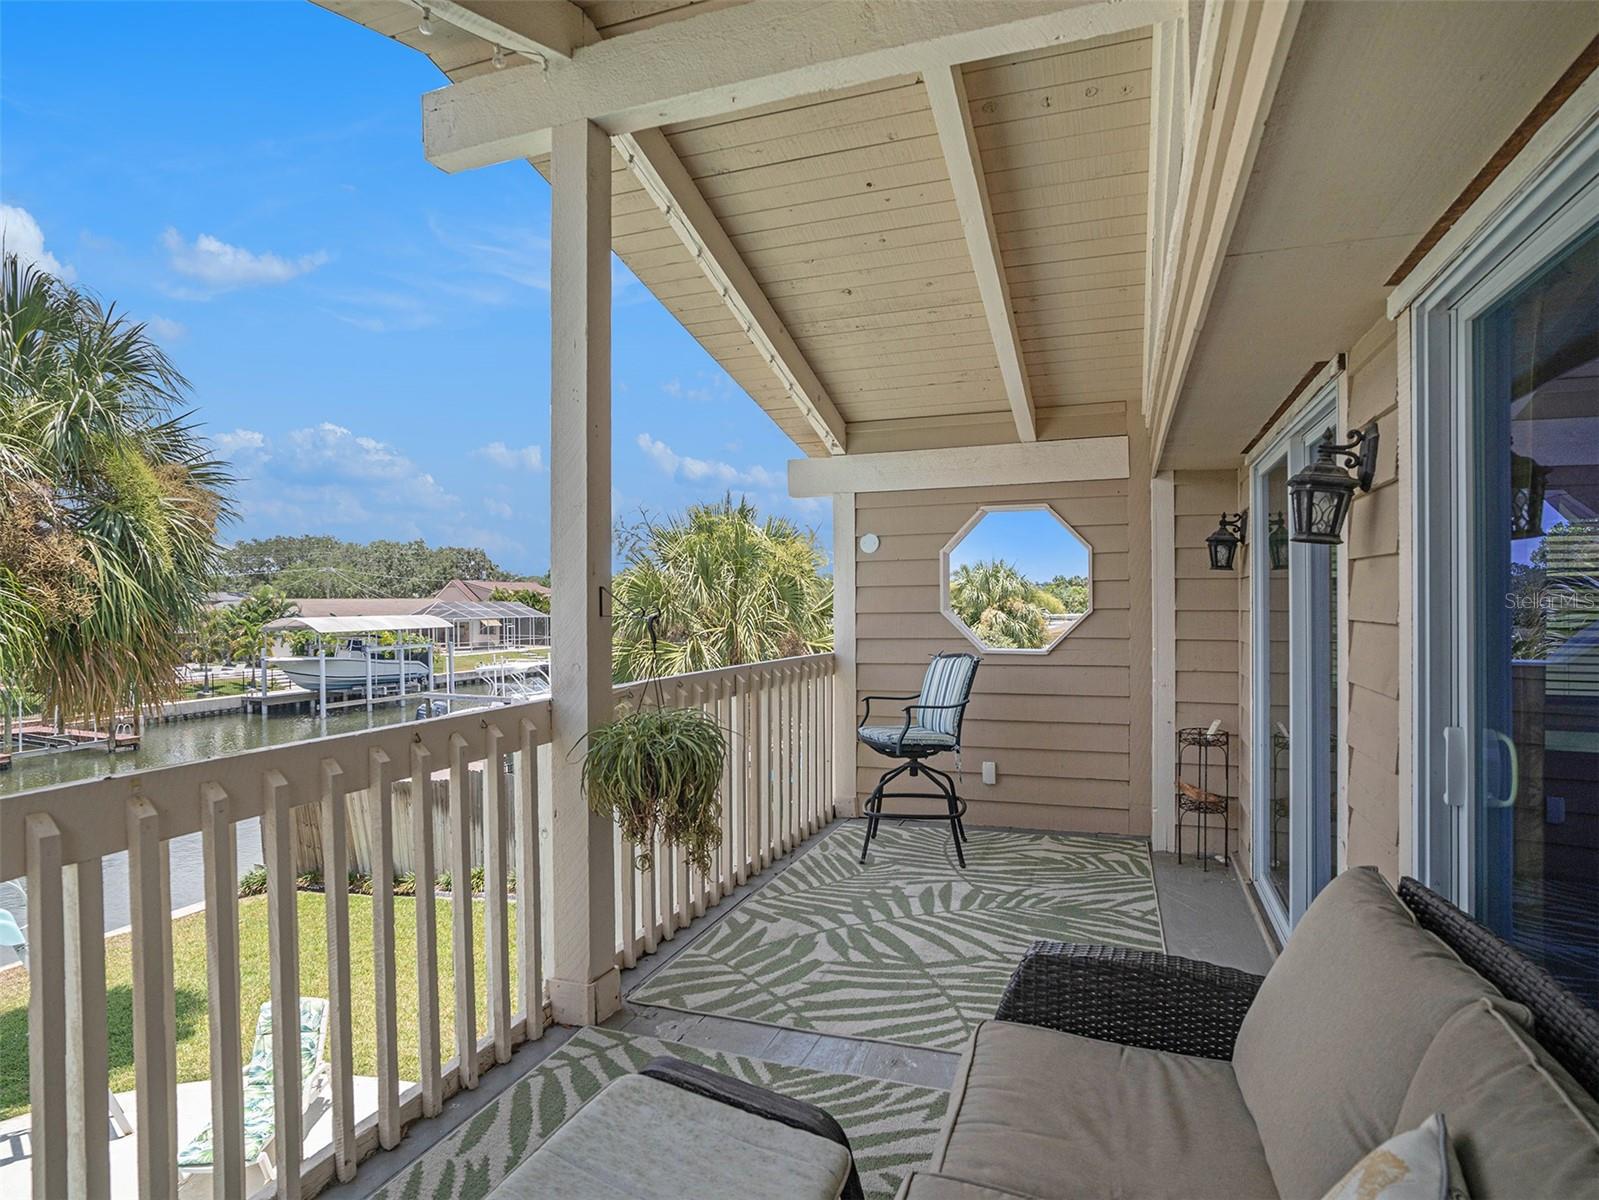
[1121, 1075]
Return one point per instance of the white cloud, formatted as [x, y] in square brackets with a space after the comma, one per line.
[221, 266]
[498, 508]
[165, 328]
[241, 443]
[517, 256]
[20, 235]
[509, 458]
[698, 470]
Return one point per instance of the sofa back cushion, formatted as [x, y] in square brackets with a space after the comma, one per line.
[1520, 1123]
[1326, 1052]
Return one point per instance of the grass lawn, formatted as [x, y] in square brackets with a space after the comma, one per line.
[220, 687]
[192, 988]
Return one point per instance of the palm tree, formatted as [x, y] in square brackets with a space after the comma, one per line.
[111, 502]
[999, 604]
[729, 588]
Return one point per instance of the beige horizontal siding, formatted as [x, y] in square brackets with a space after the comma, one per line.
[1371, 691]
[1058, 727]
[1207, 672]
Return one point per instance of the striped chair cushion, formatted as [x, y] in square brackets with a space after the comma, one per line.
[887, 737]
[948, 681]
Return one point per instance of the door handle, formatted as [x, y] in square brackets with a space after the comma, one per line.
[1515, 770]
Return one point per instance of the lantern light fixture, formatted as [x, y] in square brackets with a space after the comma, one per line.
[1223, 544]
[1320, 495]
[1277, 541]
[1529, 483]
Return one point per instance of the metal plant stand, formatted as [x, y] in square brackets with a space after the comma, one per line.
[1199, 754]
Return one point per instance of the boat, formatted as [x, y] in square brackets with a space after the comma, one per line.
[347, 668]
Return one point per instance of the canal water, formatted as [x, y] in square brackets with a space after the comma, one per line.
[178, 742]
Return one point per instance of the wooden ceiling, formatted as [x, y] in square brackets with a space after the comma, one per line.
[841, 206]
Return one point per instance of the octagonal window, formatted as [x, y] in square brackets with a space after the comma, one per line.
[1017, 578]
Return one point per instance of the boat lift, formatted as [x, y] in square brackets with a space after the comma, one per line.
[362, 626]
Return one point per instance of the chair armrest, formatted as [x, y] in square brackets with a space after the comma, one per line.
[867, 701]
[752, 1098]
[1131, 997]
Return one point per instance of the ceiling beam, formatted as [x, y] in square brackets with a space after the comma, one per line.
[1066, 460]
[1242, 50]
[542, 29]
[946, 92]
[667, 182]
[736, 58]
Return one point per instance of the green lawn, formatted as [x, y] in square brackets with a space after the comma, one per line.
[219, 687]
[192, 988]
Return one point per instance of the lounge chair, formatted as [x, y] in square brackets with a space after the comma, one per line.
[259, 1122]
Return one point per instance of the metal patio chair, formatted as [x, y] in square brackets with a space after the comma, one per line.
[932, 725]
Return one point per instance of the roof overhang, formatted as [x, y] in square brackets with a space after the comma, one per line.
[357, 624]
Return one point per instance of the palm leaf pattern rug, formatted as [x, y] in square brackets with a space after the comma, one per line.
[908, 948]
[892, 1127]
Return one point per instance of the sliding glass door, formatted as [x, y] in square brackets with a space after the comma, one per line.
[1294, 602]
[1507, 574]
[1533, 707]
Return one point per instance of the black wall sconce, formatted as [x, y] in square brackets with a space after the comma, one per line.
[1529, 483]
[1320, 495]
[1277, 541]
[1223, 544]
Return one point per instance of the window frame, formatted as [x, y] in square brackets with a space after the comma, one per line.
[1557, 205]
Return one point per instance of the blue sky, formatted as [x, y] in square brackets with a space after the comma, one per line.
[367, 337]
[1032, 541]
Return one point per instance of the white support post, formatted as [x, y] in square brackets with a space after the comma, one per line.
[1163, 660]
[585, 984]
[844, 798]
[322, 683]
[369, 686]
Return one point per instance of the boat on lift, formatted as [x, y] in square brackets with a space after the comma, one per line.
[347, 667]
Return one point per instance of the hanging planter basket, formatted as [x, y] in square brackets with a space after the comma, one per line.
[660, 770]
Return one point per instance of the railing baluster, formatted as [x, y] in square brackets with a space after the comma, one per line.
[496, 898]
[813, 754]
[336, 895]
[149, 909]
[219, 849]
[724, 857]
[380, 804]
[786, 758]
[745, 853]
[427, 933]
[698, 880]
[283, 936]
[648, 897]
[461, 911]
[47, 1008]
[89, 1162]
[529, 931]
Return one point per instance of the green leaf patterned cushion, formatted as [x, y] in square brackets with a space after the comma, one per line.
[259, 1116]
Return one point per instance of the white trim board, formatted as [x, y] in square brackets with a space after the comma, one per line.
[1061, 461]
[737, 58]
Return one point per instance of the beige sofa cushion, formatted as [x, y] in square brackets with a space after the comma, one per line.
[643, 1139]
[1523, 1127]
[1060, 1117]
[919, 1185]
[1328, 1048]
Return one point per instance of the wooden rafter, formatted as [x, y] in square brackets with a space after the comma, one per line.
[667, 182]
[946, 93]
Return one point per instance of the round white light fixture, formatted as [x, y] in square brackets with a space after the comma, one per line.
[869, 543]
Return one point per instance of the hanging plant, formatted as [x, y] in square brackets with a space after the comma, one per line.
[659, 769]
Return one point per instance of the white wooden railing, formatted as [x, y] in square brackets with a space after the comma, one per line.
[776, 790]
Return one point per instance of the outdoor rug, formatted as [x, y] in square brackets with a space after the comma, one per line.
[908, 948]
[892, 1127]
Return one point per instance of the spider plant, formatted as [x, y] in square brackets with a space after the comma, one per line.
[659, 769]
